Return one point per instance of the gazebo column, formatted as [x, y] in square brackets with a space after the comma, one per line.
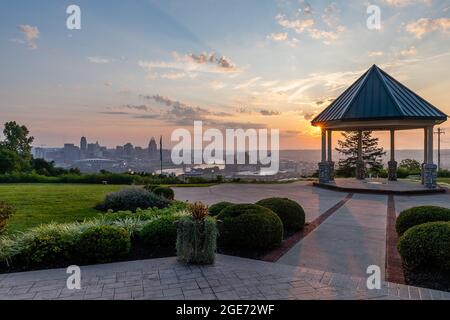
[392, 164]
[425, 153]
[360, 166]
[430, 169]
[330, 154]
[324, 166]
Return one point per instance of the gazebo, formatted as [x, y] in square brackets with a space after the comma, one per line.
[378, 102]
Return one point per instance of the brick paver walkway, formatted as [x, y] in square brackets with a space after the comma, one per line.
[229, 278]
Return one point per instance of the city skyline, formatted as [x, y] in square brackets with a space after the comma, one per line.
[144, 68]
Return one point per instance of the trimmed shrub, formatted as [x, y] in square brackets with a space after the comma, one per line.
[290, 212]
[164, 192]
[103, 244]
[196, 240]
[131, 199]
[161, 232]
[216, 208]
[426, 246]
[250, 226]
[51, 249]
[418, 215]
[6, 211]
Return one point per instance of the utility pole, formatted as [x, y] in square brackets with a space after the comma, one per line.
[439, 132]
[161, 154]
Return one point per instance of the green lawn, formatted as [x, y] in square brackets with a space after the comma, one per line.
[44, 203]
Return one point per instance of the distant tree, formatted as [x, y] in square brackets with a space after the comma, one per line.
[9, 161]
[43, 167]
[410, 165]
[17, 139]
[372, 153]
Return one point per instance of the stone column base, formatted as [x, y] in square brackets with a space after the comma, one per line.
[324, 172]
[360, 170]
[430, 176]
[422, 173]
[332, 172]
[392, 170]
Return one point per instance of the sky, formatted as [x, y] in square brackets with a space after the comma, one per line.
[144, 68]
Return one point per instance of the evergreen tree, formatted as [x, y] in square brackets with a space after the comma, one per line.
[371, 153]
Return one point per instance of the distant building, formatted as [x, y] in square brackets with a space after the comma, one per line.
[153, 149]
[94, 150]
[83, 148]
[128, 150]
[71, 153]
[119, 152]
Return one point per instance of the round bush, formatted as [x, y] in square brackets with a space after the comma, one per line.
[161, 232]
[250, 226]
[290, 212]
[216, 208]
[131, 199]
[103, 244]
[50, 249]
[418, 215]
[426, 246]
[164, 192]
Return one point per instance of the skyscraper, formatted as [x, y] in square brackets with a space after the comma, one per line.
[83, 147]
[153, 149]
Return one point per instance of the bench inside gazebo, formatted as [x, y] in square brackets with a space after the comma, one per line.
[378, 102]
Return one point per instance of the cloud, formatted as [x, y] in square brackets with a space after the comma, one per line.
[100, 60]
[216, 84]
[403, 3]
[307, 25]
[376, 53]
[278, 36]
[424, 26]
[309, 115]
[189, 65]
[31, 34]
[266, 112]
[411, 51]
[136, 107]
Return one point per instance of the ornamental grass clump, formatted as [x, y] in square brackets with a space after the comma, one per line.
[197, 236]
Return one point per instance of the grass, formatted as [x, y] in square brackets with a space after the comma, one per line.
[38, 204]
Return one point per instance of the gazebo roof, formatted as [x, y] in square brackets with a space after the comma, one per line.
[378, 101]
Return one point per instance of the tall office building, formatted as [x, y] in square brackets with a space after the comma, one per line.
[83, 147]
[153, 149]
[128, 150]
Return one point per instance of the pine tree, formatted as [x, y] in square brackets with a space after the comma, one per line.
[372, 154]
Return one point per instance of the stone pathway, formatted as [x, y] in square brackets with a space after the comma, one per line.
[229, 278]
[314, 200]
[349, 241]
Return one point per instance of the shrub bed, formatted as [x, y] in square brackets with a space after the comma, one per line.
[426, 246]
[419, 215]
[216, 208]
[104, 239]
[131, 199]
[250, 226]
[290, 212]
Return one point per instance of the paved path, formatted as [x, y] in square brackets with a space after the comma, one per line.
[353, 238]
[314, 200]
[229, 278]
[406, 202]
